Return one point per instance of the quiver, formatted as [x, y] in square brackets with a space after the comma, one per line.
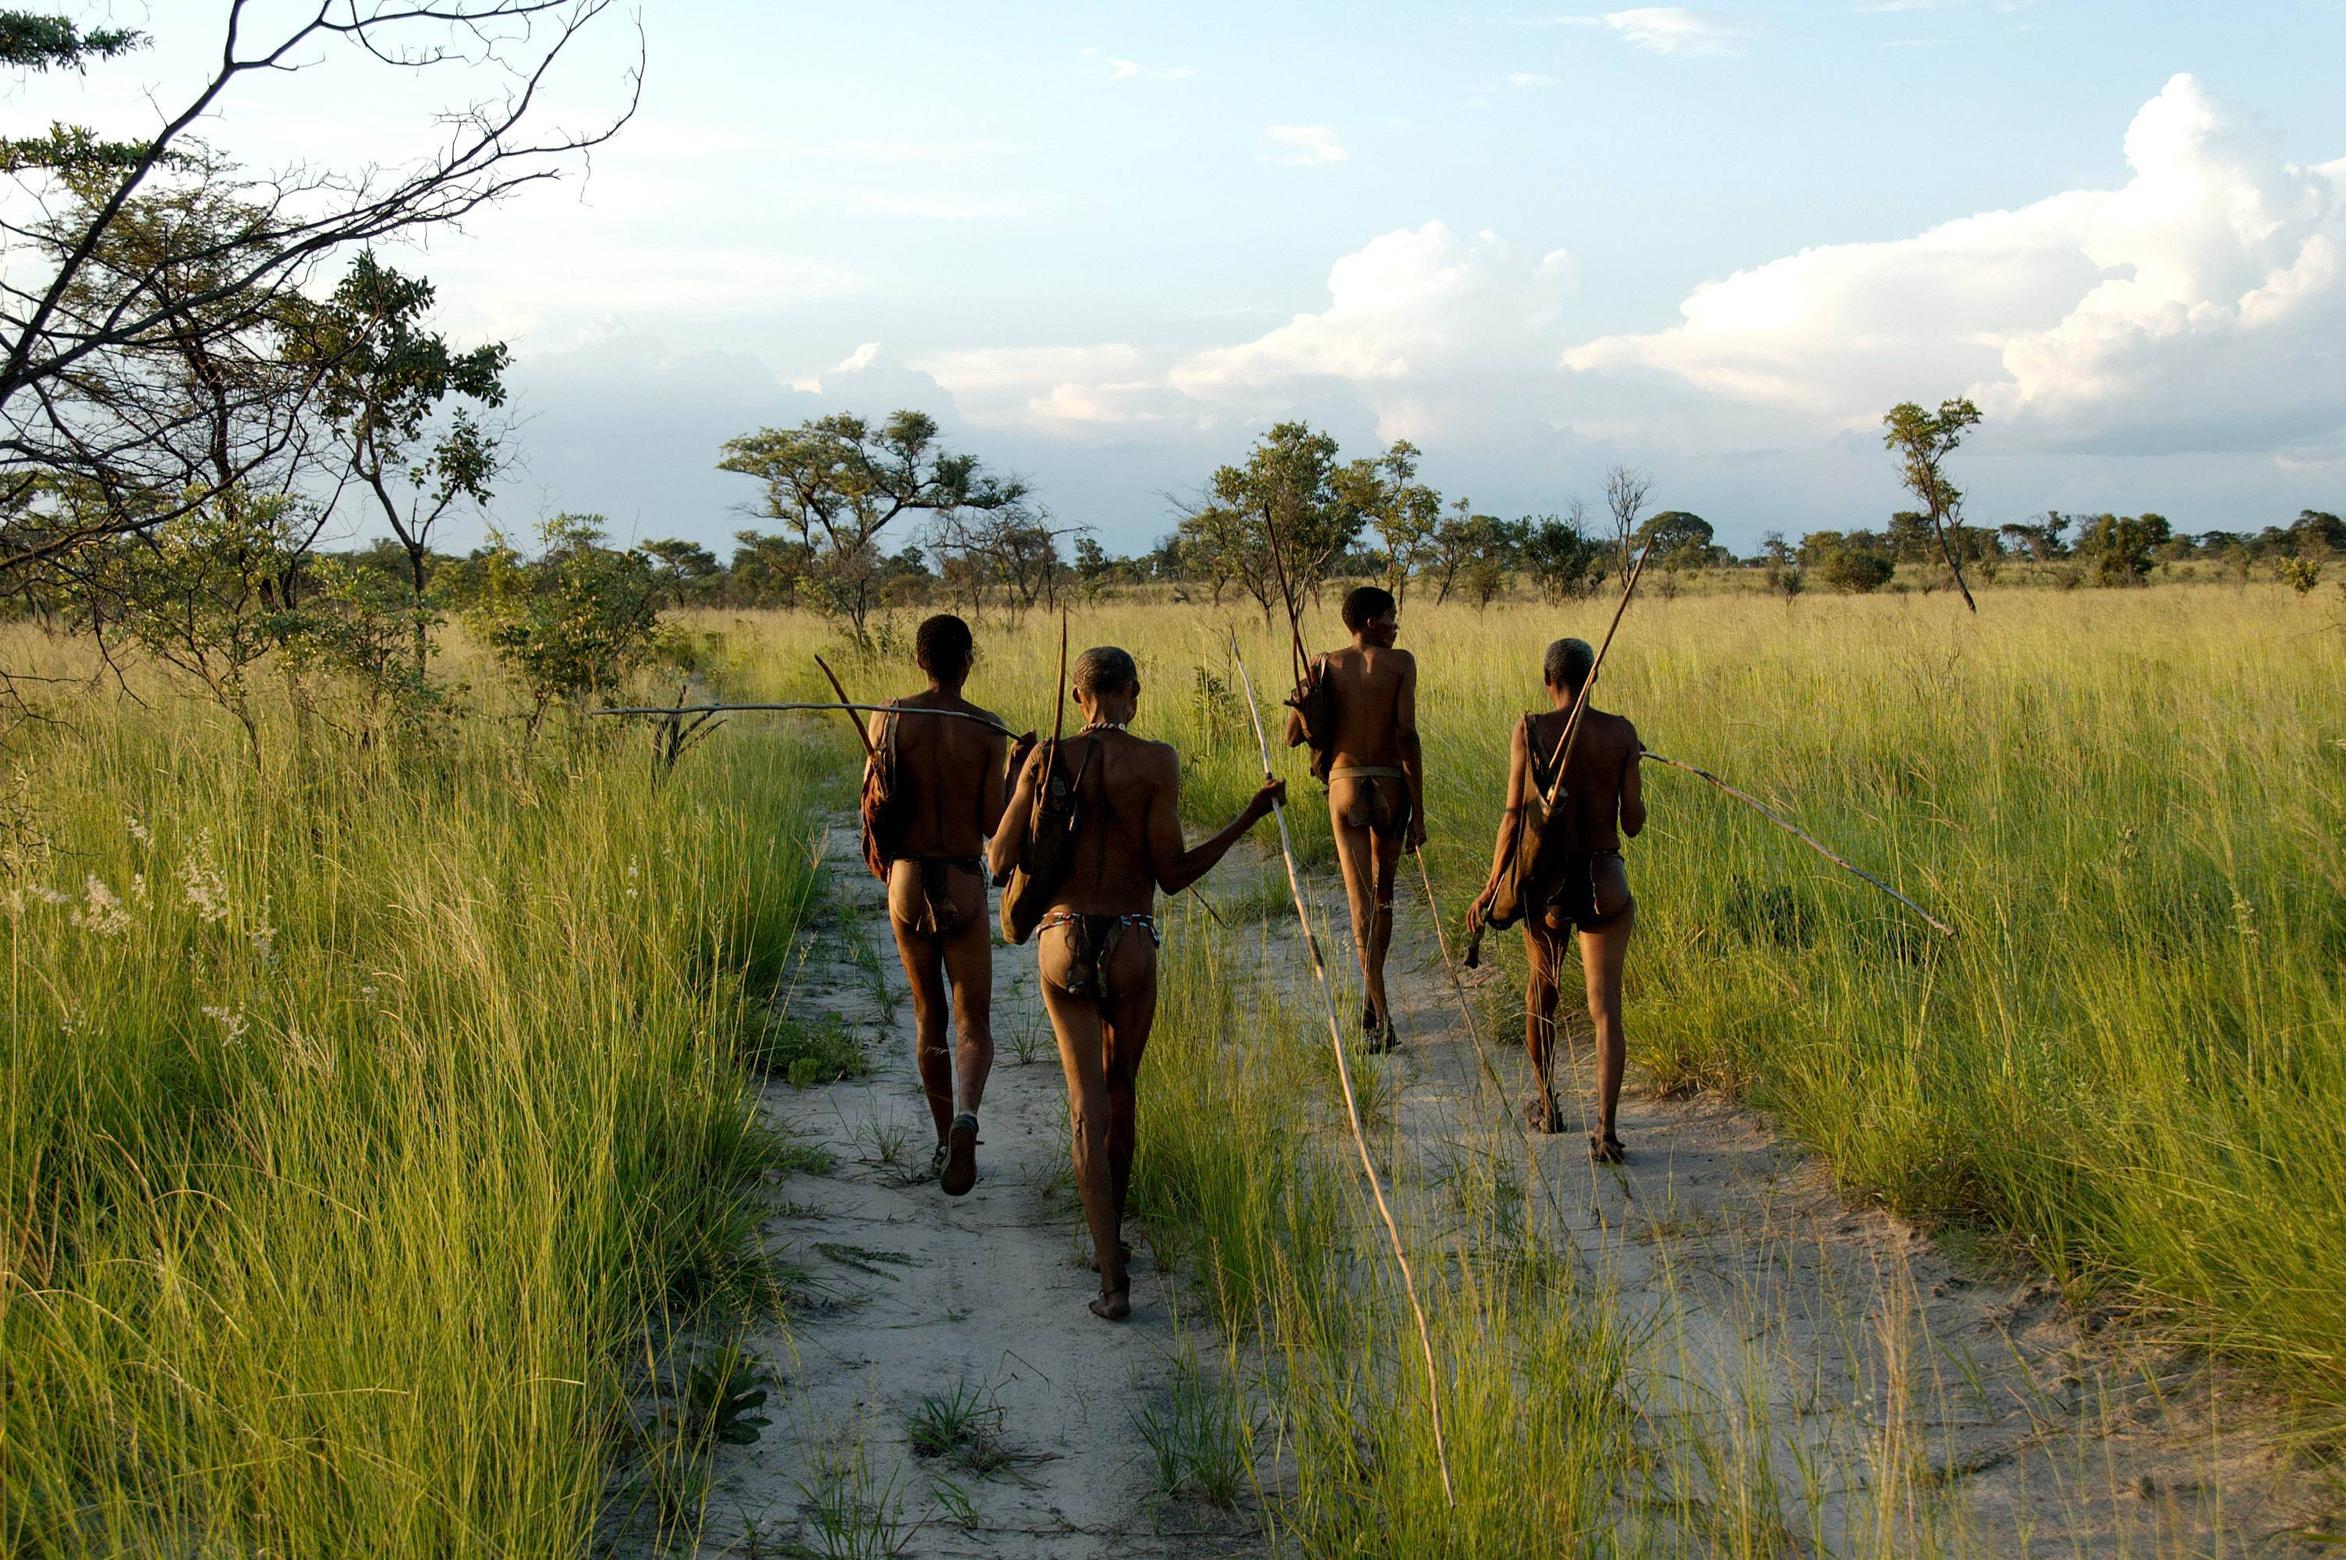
[1537, 860]
[878, 807]
[1048, 849]
[1314, 726]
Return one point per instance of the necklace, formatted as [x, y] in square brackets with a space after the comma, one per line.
[1104, 725]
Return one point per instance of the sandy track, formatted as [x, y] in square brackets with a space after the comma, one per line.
[1886, 1393]
[907, 1293]
[1898, 1394]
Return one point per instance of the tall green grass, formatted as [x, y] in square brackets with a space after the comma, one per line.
[2131, 1065]
[361, 1117]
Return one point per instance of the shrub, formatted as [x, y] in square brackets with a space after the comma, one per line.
[1858, 571]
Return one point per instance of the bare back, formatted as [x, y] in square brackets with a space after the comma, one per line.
[1375, 697]
[1600, 777]
[948, 777]
[1127, 788]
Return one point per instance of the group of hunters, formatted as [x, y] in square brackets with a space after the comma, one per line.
[1083, 832]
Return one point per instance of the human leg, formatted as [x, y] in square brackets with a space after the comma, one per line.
[1076, 1021]
[969, 965]
[924, 971]
[1604, 949]
[1132, 1013]
[1539, 1021]
[1356, 859]
[1388, 867]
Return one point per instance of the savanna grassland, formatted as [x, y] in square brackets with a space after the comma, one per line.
[2128, 1069]
[372, 1118]
[2131, 1062]
[368, 1118]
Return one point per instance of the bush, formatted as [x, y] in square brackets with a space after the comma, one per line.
[1857, 571]
[575, 621]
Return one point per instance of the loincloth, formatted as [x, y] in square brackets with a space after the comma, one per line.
[939, 915]
[1573, 898]
[1091, 944]
[1382, 803]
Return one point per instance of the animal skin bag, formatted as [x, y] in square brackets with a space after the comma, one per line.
[1536, 858]
[1315, 702]
[1048, 849]
[882, 828]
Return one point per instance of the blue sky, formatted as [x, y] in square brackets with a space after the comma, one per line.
[1106, 244]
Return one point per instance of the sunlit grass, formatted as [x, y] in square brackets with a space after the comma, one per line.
[2128, 1068]
[360, 1118]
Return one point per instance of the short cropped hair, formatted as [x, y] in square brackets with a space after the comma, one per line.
[1568, 663]
[1365, 604]
[1105, 669]
[943, 646]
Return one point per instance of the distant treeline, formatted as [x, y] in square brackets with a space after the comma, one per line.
[1474, 557]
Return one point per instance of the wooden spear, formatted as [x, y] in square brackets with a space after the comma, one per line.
[822, 706]
[1368, 1162]
[1806, 838]
[846, 708]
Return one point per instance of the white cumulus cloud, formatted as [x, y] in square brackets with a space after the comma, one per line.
[1425, 333]
[2199, 306]
[1304, 146]
[1672, 29]
[1134, 70]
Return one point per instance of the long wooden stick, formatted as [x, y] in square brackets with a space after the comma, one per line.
[1297, 654]
[1806, 838]
[1368, 1162]
[820, 706]
[1563, 752]
[861, 735]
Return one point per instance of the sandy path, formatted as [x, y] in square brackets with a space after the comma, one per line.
[906, 1294]
[1899, 1395]
[1888, 1396]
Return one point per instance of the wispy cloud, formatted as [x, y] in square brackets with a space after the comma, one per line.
[1658, 29]
[1672, 29]
[1133, 70]
[900, 151]
[958, 205]
[1304, 146]
[1528, 80]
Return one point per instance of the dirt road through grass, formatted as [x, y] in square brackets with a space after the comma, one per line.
[1880, 1395]
[942, 1390]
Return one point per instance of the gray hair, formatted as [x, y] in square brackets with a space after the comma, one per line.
[1105, 669]
[1568, 663]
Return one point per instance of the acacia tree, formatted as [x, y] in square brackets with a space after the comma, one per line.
[215, 385]
[385, 382]
[1626, 491]
[1562, 559]
[1469, 547]
[1404, 511]
[1013, 550]
[837, 482]
[1922, 441]
[80, 405]
[1286, 496]
[571, 623]
[206, 589]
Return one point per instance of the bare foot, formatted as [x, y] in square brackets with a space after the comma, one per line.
[959, 1170]
[1605, 1150]
[1114, 1305]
